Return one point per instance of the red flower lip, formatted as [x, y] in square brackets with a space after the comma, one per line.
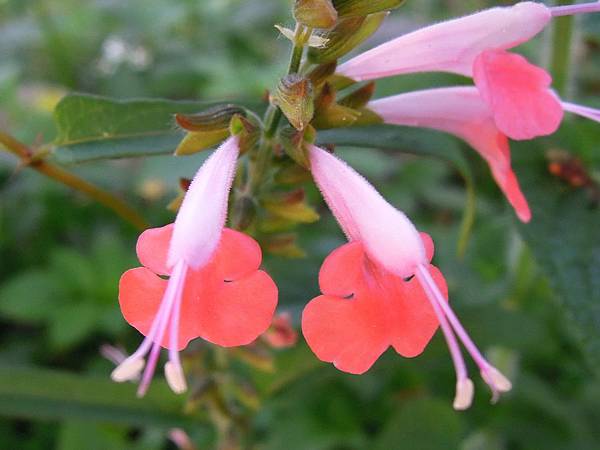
[228, 302]
[365, 309]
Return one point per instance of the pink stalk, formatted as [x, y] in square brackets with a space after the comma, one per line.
[450, 46]
[464, 386]
[131, 367]
[497, 382]
[173, 369]
[583, 111]
[571, 10]
[171, 297]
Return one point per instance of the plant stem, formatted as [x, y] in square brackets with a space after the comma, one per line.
[71, 180]
[560, 63]
[260, 164]
[273, 114]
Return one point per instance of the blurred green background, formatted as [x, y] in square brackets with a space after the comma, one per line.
[530, 295]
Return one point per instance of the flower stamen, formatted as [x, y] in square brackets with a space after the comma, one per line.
[173, 369]
[497, 382]
[583, 111]
[171, 298]
[464, 386]
[571, 10]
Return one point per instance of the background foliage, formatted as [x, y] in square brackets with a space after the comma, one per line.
[530, 294]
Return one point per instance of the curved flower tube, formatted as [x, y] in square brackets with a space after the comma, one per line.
[452, 46]
[517, 92]
[369, 292]
[462, 112]
[214, 291]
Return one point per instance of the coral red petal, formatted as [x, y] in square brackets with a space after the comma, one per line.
[509, 184]
[518, 93]
[236, 313]
[416, 323]
[493, 146]
[140, 294]
[429, 246]
[342, 269]
[238, 255]
[350, 333]
[152, 248]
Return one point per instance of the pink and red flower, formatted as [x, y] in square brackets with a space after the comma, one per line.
[380, 290]
[513, 98]
[215, 289]
[365, 309]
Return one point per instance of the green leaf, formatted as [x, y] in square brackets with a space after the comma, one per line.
[28, 297]
[427, 424]
[47, 394]
[92, 128]
[72, 323]
[77, 435]
[418, 142]
[563, 236]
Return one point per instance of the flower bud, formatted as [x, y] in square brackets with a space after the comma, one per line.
[295, 99]
[359, 98]
[315, 13]
[213, 119]
[320, 74]
[346, 35]
[247, 129]
[196, 141]
[293, 141]
[329, 114]
[354, 8]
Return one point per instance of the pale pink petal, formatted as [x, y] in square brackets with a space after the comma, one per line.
[462, 112]
[202, 215]
[518, 93]
[450, 46]
[387, 235]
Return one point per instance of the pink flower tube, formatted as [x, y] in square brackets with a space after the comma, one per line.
[462, 112]
[452, 46]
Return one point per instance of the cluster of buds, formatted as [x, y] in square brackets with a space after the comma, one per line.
[379, 290]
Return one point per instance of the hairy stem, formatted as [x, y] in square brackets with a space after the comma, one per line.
[71, 180]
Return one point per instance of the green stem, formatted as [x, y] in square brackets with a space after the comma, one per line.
[560, 63]
[273, 115]
[118, 206]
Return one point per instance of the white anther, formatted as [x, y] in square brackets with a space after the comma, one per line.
[464, 394]
[175, 377]
[496, 380]
[128, 370]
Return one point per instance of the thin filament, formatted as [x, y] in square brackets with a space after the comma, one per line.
[169, 299]
[174, 331]
[149, 339]
[583, 111]
[571, 10]
[458, 328]
[457, 358]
